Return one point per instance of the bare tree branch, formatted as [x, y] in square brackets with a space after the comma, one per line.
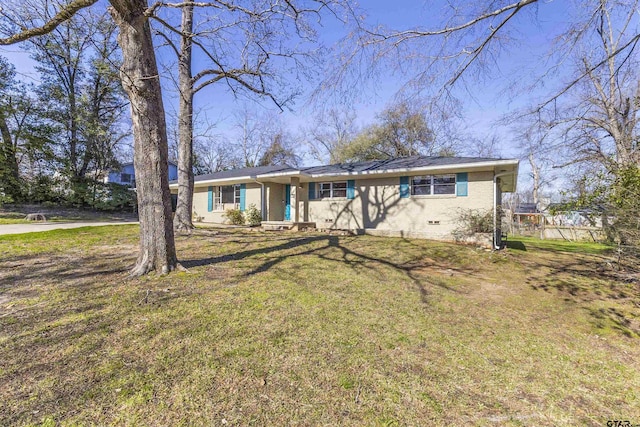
[63, 15]
[401, 36]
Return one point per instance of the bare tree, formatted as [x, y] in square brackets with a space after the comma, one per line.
[140, 79]
[213, 154]
[591, 110]
[465, 36]
[592, 129]
[182, 219]
[594, 104]
[537, 148]
[139, 74]
[600, 118]
[488, 146]
[332, 130]
[260, 139]
[248, 144]
[255, 48]
[280, 150]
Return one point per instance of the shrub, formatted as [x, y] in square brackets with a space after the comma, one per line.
[253, 216]
[5, 198]
[45, 189]
[472, 221]
[112, 197]
[235, 216]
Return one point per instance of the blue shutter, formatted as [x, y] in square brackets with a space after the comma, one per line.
[461, 184]
[312, 190]
[243, 196]
[210, 205]
[404, 187]
[351, 189]
[287, 202]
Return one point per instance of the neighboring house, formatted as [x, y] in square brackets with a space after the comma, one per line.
[126, 174]
[414, 196]
[527, 214]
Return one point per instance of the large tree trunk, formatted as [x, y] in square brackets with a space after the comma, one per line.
[140, 79]
[182, 221]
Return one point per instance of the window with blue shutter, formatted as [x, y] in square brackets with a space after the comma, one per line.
[461, 184]
[210, 199]
[312, 190]
[243, 196]
[351, 189]
[404, 187]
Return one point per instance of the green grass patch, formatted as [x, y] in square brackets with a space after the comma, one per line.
[560, 245]
[79, 239]
[311, 329]
[12, 218]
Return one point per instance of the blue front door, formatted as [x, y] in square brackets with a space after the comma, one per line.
[287, 202]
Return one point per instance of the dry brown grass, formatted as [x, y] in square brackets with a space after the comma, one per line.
[311, 329]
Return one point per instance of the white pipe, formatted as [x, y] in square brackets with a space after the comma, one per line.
[263, 202]
[495, 205]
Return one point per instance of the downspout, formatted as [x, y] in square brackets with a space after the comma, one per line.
[263, 202]
[495, 206]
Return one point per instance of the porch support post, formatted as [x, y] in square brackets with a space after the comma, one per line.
[295, 211]
[263, 201]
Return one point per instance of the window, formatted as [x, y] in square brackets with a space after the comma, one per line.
[444, 184]
[325, 190]
[421, 185]
[228, 194]
[125, 177]
[339, 189]
[333, 189]
[433, 185]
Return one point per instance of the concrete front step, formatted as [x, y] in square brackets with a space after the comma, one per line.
[286, 225]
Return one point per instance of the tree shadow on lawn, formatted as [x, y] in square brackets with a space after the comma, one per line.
[333, 249]
[516, 245]
[69, 270]
[589, 281]
[56, 319]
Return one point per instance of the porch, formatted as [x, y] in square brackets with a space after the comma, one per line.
[284, 203]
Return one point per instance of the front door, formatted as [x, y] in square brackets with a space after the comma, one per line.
[287, 202]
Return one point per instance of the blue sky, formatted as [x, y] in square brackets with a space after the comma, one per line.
[483, 100]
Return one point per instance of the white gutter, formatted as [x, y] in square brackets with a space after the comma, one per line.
[465, 166]
[281, 174]
[263, 202]
[495, 205]
[303, 174]
[219, 181]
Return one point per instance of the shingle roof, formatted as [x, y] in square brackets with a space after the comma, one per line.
[402, 163]
[393, 164]
[526, 208]
[239, 173]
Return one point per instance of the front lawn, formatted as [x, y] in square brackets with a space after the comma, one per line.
[17, 214]
[313, 329]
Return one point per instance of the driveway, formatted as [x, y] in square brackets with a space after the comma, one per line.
[46, 226]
